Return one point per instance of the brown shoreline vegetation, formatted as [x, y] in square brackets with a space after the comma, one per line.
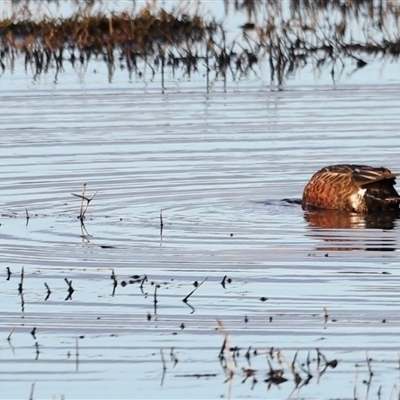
[287, 36]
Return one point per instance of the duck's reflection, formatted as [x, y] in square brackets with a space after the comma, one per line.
[351, 231]
[333, 219]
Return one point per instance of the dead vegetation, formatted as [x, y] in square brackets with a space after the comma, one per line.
[282, 36]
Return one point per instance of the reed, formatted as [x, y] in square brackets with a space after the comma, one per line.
[84, 206]
[286, 36]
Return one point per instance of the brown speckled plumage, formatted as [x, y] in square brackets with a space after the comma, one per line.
[354, 188]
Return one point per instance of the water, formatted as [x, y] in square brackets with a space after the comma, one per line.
[218, 165]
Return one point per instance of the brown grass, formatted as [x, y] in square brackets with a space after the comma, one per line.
[287, 39]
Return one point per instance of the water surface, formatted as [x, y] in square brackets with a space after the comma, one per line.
[218, 165]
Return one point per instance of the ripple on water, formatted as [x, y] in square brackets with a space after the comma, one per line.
[219, 172]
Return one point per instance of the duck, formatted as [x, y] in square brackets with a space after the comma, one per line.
[352, 188]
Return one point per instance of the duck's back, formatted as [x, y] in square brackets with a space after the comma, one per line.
[347, 187]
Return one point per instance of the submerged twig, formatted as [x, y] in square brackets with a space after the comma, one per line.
[174, 359]
[27, 217]
[326, 315]
[37, 350]
[115, 282]
[21, 290]
[331, 364]
[164, 367]
[223, 281]
[155, 301]
[70, 289]
[142, 283]
[76, 353]
[9, 273]
[369, 363]
[84, 233]
[48, 291]
[21, 284]
[9, 336]
[32, 389]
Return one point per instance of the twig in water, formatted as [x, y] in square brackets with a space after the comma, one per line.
[142, 283]
[186, 298]
[371, 374]
[227, 365]
[21, 290]
[70, 289]
[332, 363]
[235, 353]
[37, 350]
[33, 333]
[76, 353]
[196, 375]
[319, 356]
[308, 364]
[369, 363]
[84, 233]
[12, 331]
[115, 282]
[27, 217]
[296, 375]
[326, 315]
[275, 376]
[221, 354]
[32, 389]
[21, 284]
[156, 286]
[174, 359]
[48, 291]
[309, 376]
[164, 367]
[223, 282]
[161, 227]
[249, 372]
[355, 386]
[84, 198]
[9, 273]
[247, 356]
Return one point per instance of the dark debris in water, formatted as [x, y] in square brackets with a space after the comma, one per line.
[198, 376]
[278, 368]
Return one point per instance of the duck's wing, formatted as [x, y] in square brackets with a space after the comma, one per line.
[364, 175]
[329, 188]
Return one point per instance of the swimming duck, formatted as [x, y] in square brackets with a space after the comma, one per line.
[354, 188]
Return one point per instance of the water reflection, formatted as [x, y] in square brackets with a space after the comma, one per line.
[334, 219]
[351, 231]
